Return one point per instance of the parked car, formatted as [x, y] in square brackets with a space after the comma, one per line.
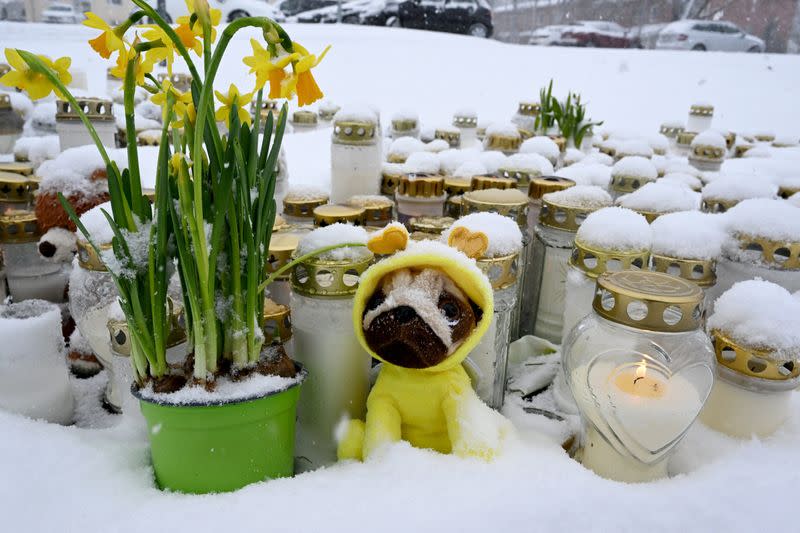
[597, 33]
[231, 9]
[472, 17]
[546, 35]
[707, 35]
[350, 13]
[61, 14]
[290, 8]
[12, 10]
[648, 34]
[381, 13]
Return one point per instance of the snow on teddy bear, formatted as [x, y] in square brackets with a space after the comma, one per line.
[420, 312]
[80, 175]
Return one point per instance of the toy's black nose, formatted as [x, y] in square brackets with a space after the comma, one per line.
[404, 314]
[47, 249]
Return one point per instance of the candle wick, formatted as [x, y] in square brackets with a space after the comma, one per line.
[637, 379]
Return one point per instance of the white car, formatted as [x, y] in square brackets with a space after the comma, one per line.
[231, 9]
[61, 14]
[709, 35]
[546, 36]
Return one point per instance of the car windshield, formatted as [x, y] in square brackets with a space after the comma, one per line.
[60, 8]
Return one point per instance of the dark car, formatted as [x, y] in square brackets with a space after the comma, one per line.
[599, 33]
[347, 12]
[294, 7]
[473, 17]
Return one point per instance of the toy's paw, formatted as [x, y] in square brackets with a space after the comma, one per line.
[482, 431]
[57, 245]
[350, 436]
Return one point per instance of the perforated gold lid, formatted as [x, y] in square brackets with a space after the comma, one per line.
[5, 102]
[703, 272]
[625, 184]
[507, 202]
[671, 130]
[649, 300]
[593, 260]
[522, 177]
[455, 186]
[781, 255]
[685, 138]
[754, 361]
[404, 124]
[14, 188]
[276, 322]
[303, 207]
[564, 217]
[148, 138]
[453, 137]
[88, 258]
[181, 81]
[420, 186]
[121, 340]
[465, 121]
[5, 68]
[14, 167]
[764, 137]
[503, 143]
[322, 278]
[480, 183]
[354, 133]
[501, 271]
[702, 110]
[560, 141]
[328, 214]
[540, 186]
[304, 117]
[389, 182]
[378, 210]
[430, 225]
[453, 207]
[281, 248]
[716, 205]
[706, 152]
[529, 109]
[19, 226]
[785, 191]
[96, 109]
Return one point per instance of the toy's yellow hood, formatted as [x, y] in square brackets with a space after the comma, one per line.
[461, 269]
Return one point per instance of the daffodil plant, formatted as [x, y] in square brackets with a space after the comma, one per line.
[214, 208]
[569, 116]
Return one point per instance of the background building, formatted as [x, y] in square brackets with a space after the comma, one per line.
[114, 11]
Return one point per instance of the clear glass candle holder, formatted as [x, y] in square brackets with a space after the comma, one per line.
[640, 369]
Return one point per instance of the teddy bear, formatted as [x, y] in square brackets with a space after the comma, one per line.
[420, 311]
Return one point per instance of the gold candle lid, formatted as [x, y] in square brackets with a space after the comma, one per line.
[741, 149]
[330, 279]
[522, 177]
[88, 258]
[649, 300]
[465, 121]
[764, 137]
[389, 182]
[96, 109]
[354, 133]
[560, 141]
[304, 117]
[397, 158]
[377, 209]
[501, 271]
[787, 191]
[327, 112]
[281, 249]
[421, 186]
[753, 361]
[671, 131]
[730, 139]
[685, 138]
[14, 167]
[14, 188]
[456, 186]
[529, 109]
[624, 184]
[540, 186]
[510, 203]
[276, 322]
[404, 124]
[702, 110]
[5, 102]
[328, 214]
[121, 341]
[453, 137]
[150, 194]
[19, 227]
[503, 143]
[303, 207]
[703, 272]
[564, 217]
[593, 261]
[781, 255]
[717, 205]
[705, 152]
[430, 225]
[480, 183]
[148, 138]
[454, 206]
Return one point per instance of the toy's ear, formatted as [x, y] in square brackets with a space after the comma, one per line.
[472, 244]
[393, 238]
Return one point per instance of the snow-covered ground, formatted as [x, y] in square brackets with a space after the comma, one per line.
[68, 479]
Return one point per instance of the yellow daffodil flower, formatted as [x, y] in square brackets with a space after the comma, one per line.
[233, 102]
[179, 106]
[35, 84]
[166, 53]
[202, 10]
[267, 70]
[142, 66]
[302, 81]
[107, 42]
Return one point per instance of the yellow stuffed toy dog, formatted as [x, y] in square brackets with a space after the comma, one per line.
[420, 312]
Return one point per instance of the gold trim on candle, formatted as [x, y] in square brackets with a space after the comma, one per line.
[281, 249]
[564, 217]
[453, 138]
[480, 183]
[703, 272]
[464, 121]
[14, 188]
[476, 203]
[19, 226]
[179, 80]
[88, 258]
[276, 322]
[522, 177]
[593, 261]
[456, 186]
[421, 186]
[540, 186]
[649, 300]
[704, 152]
[378, 210]
[354, 133]
[5, 102]
[753, 361]
[702, 110]
[430, 225]
[716, 205]
[329, 279]
[627, 184]
[764, 137]
[501, 271]
[14, 167]
[96, 109]
[304, 117]
[529, 109]
[503, 143]
[121, 341]
[454, 206]
[781, 255]
[390, 182]
[404, 124]
[328, 214]
[786, 191]
[303, 208]
[685, 138]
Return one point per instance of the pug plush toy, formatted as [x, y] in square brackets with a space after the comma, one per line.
[420, 312]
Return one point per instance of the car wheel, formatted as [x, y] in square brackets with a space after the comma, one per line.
[393, 22]
[350, 19]
[237, 15]
[478, 30]
[754, 50]
[699, 48]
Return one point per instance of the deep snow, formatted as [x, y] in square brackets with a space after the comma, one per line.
[99, 479]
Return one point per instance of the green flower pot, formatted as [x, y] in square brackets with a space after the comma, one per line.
[221, 447]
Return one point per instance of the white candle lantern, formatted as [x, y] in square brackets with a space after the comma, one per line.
[700, 118]
[70, 128]
[671, 130]
[640, 369]
[683, 142]
[34, 381]
[327, 109]
[299, 205]
[28, 275]
[561, 215]
[525, 117]
[10, 125]
[764, 243]
[449, 134]
[355, 158]
[420, 195]
[268, 107]
[404, 125]
[378, 210]
[338, 382]
[756, 378]
[303, 120]
[707, 151]
[466, 120]
[630, 173]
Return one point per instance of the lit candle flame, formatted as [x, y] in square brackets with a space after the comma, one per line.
[641, 369]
